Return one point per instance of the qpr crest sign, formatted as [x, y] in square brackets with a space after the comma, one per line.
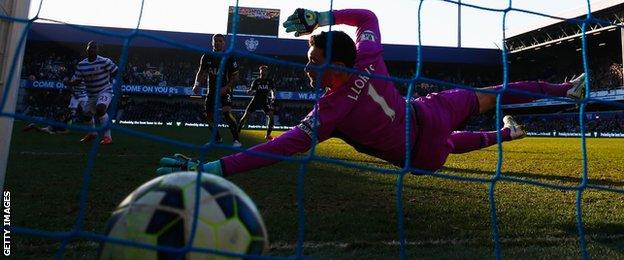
[251, 44]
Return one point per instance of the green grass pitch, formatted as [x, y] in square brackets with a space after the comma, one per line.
[349, 213]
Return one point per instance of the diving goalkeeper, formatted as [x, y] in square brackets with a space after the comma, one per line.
[369, 113]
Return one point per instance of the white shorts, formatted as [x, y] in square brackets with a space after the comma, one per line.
[103, 97]
[75, 102]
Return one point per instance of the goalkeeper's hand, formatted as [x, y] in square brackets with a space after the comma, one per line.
[179, 162]
[304, 21]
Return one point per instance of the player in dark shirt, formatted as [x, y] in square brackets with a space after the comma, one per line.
[208, 72]
[370, 114]
[263, 90]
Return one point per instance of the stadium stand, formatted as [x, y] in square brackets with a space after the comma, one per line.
[173, 70]
[534, 54]
[45, 103]
[543, 51]
[50, 58]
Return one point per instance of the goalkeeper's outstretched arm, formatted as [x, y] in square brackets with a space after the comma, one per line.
[331, 108]
[292, 142]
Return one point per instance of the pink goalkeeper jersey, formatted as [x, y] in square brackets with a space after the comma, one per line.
[367, 113]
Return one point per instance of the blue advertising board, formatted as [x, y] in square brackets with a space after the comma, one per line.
[169, 90]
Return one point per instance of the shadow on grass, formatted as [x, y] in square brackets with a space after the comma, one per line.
[342, 204]
[609, 235]
[535, 176]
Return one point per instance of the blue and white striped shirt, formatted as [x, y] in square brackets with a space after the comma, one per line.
[96, 75]
[79, 91]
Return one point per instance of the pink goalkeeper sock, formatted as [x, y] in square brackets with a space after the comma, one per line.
[557, 90]
[463, 142]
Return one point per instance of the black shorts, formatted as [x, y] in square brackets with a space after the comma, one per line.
[226, 100]
[274, 105]
[265, 105]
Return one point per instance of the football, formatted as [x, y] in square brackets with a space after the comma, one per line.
[160, 213]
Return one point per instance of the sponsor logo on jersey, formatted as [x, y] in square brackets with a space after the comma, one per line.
[367, 36]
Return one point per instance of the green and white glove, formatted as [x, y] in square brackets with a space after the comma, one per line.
[179, 162]
[304, 21]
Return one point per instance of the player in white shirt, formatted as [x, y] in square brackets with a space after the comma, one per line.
[77, 102]
[97, 73]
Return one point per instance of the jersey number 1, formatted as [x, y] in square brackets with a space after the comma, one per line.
[381, 101]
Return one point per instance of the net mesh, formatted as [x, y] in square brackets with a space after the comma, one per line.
[78, 232]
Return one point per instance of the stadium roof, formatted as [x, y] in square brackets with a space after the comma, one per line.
[610, 13]
[47, 32]
[567, 14]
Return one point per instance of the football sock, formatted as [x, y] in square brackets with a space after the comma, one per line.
[103, 120]
[558, 90]
[72, 117]
[231, 122]
[463, 142]
[242, 122]
[269, 124]
[91, 123]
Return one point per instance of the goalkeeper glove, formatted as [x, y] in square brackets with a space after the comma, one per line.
[304, 21]
[179, 162]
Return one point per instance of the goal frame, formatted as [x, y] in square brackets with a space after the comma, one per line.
[10, 33]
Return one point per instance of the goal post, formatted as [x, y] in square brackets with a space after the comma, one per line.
[10, 33]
